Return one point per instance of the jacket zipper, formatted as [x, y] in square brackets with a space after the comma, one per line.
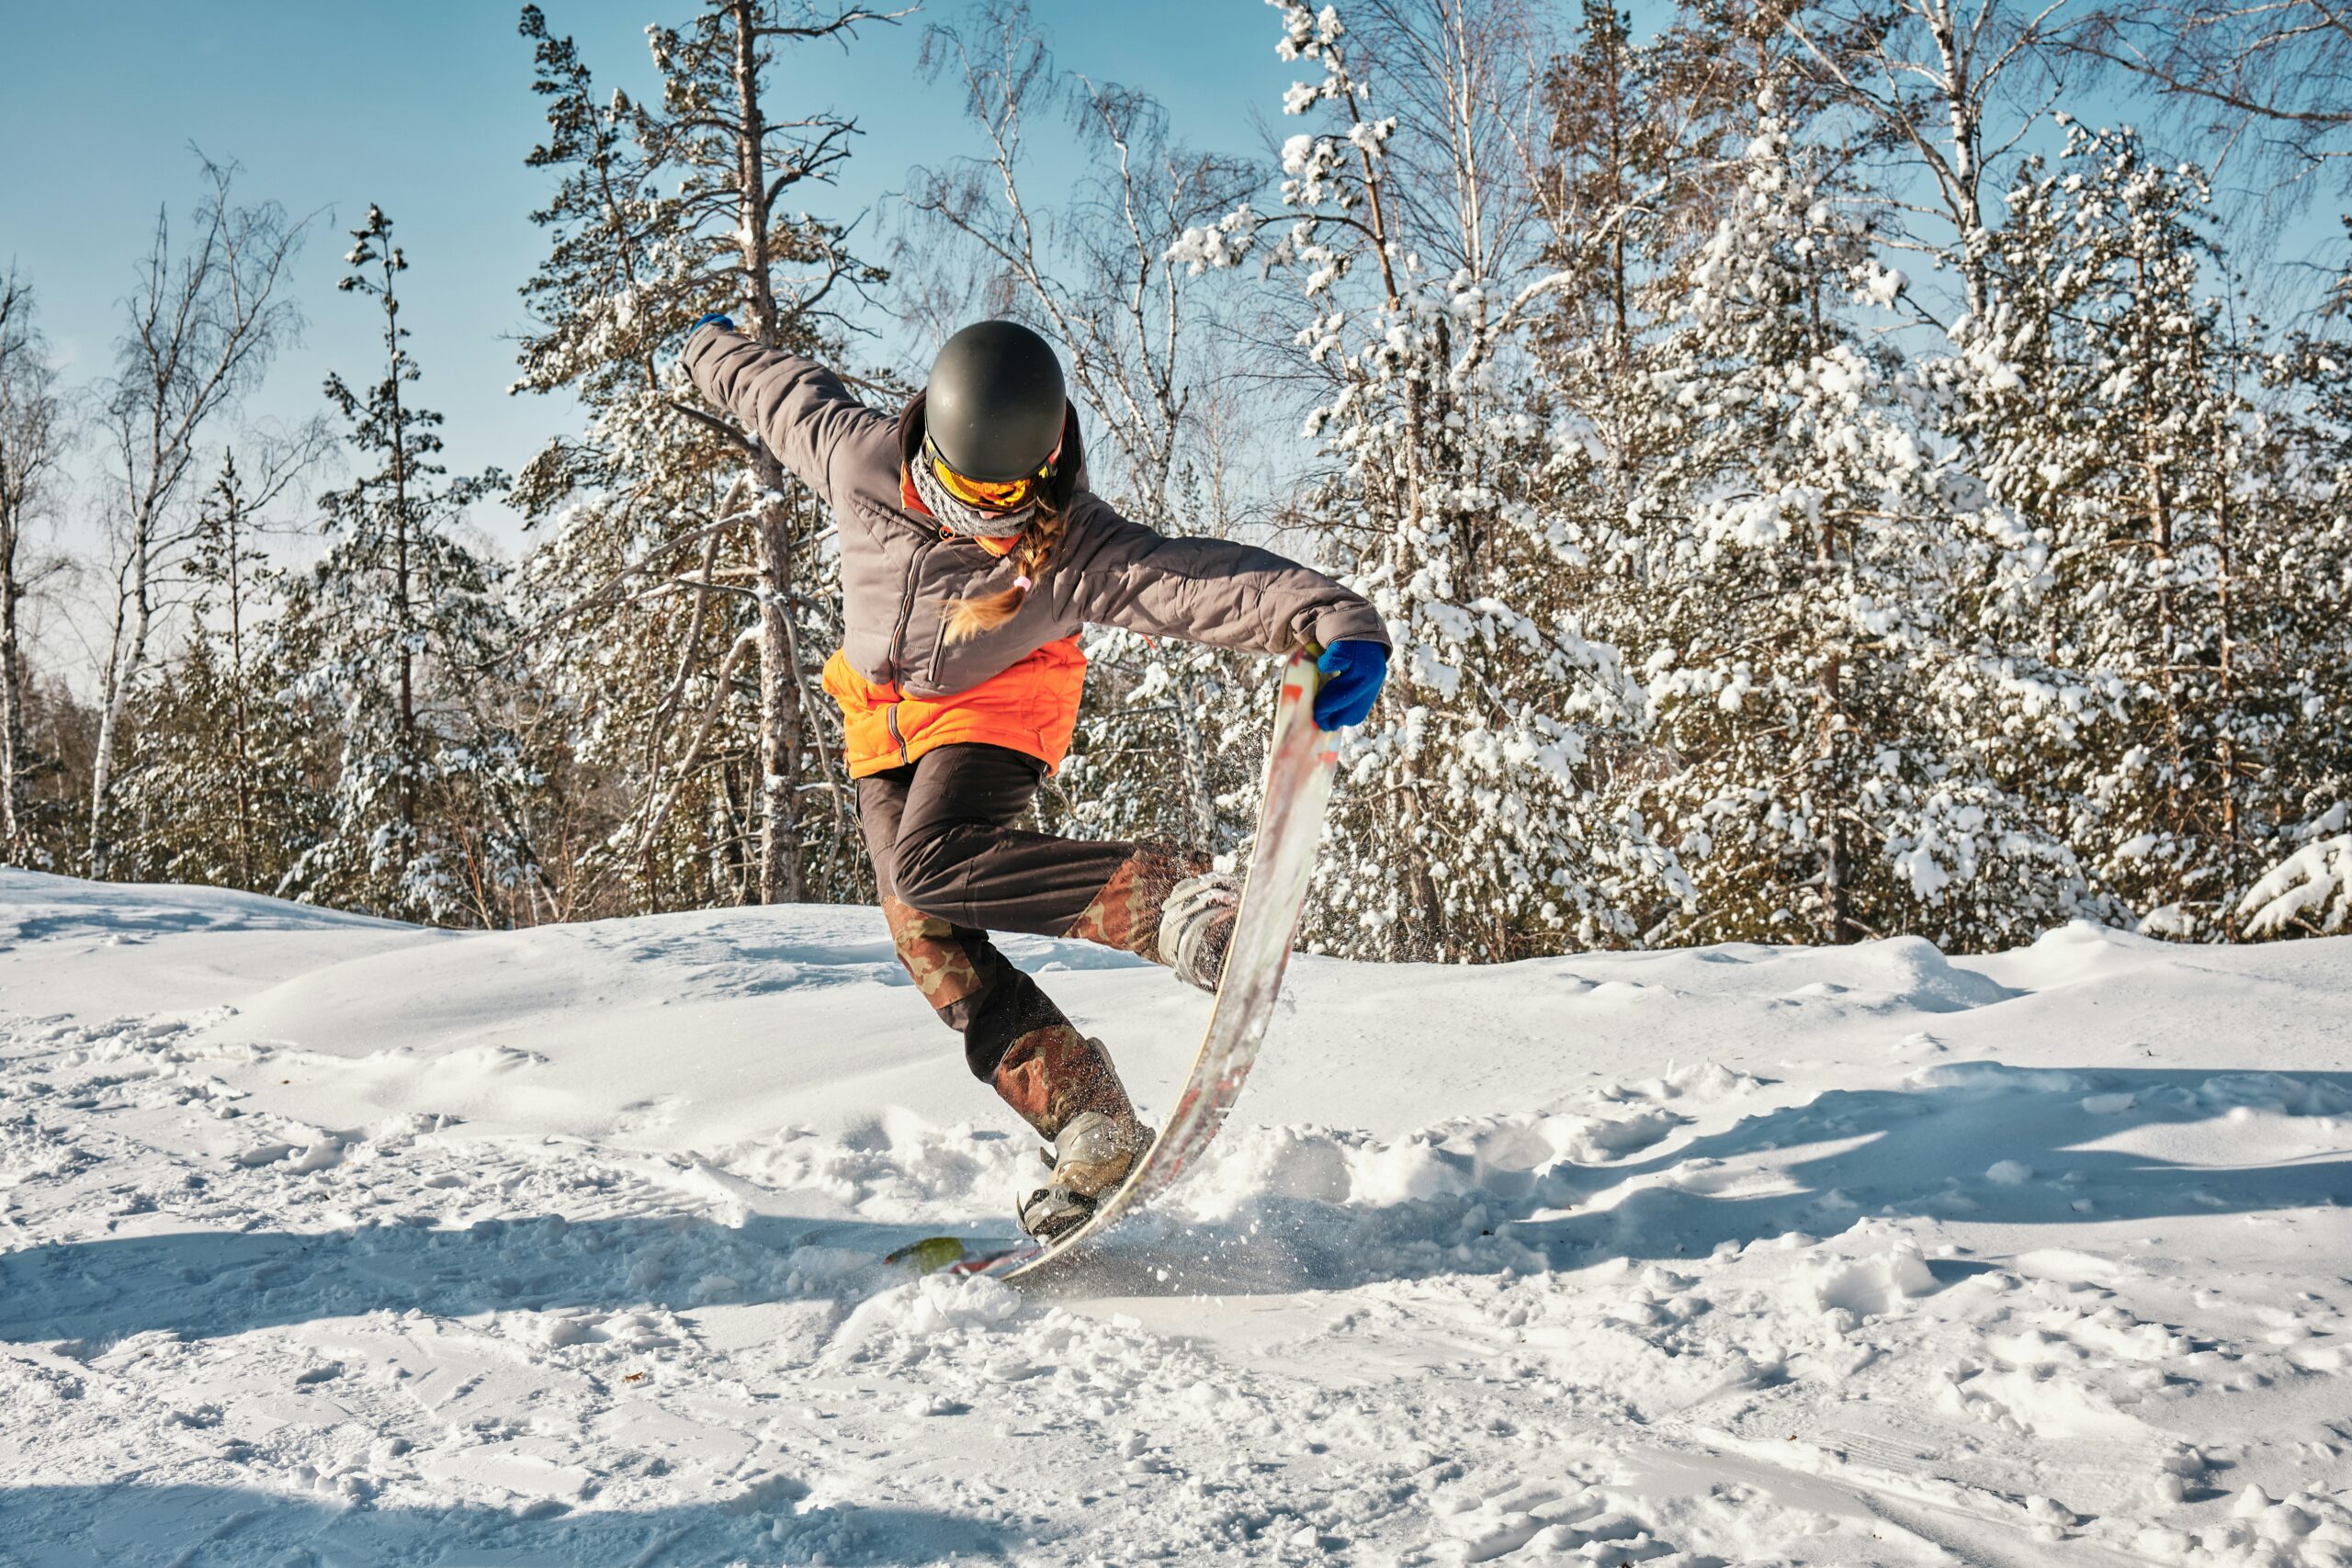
[907, 609]
[899, 644]
[939, 648]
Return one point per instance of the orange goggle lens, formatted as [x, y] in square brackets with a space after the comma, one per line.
[1010, 496]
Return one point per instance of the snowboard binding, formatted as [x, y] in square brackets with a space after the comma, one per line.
[1052, 1211]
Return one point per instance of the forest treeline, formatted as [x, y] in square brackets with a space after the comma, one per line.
[1826, 478]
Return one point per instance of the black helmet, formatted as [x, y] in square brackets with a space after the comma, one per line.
[993, 407]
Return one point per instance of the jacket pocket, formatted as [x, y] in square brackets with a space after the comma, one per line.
[868, 712]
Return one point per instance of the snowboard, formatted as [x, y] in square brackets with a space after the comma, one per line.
[1299, 762]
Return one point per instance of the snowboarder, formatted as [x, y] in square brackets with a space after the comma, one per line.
[972, 555]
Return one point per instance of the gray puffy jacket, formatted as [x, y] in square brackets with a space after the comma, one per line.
[899, 575]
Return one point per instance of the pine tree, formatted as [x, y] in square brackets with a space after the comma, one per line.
[1620, 195]
[690, 581]
[225, 780]
[1797, 597]
[1471, 823]
[2105, 401]
[392, 632]
[2303, 625]
[2310, 892]
[33, 432]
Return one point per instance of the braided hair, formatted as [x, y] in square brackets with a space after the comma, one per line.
[969, 617]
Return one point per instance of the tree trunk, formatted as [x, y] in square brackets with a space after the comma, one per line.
[14, 830]
[781, 874]
[779, 804]
[1964, 125]
[2225, 627]
[411, 757]
[241, 742]
[124, 663]
[1828, 803]
[1200, 800]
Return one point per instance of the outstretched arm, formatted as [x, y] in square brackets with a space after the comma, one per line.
[1121, 573]
[799, 409]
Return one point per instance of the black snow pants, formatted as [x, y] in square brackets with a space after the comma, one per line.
[951, 867]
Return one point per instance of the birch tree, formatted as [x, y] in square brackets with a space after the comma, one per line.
[204, 320]
[2262, 85]
[1948, 90]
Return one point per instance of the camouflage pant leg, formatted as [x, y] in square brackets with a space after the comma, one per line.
[955, 809]
[969, 985]
[1126, 913]
[1051, 1074]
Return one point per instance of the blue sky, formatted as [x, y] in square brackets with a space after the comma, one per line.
[424, 106]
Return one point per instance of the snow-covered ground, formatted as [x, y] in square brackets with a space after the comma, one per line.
[325, 1240]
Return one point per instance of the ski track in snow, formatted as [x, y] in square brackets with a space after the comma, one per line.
[324, 1240]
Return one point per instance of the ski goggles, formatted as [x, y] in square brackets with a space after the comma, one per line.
[1010, 496]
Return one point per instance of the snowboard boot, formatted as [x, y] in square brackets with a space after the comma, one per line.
[1064, 1085]
[1093, 1156]
[1197, 926]
[1166, 905]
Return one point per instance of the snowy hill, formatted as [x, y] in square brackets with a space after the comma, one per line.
[324, 1239]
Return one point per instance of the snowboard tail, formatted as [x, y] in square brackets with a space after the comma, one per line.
[1299, 764]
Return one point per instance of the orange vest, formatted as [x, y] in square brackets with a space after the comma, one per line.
[1031, 707]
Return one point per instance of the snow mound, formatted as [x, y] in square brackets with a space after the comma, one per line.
[1905, 974]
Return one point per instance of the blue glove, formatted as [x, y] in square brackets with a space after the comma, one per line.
[1354, 672]
[716, 319]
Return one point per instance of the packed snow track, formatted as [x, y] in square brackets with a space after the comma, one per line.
[329, 1240]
